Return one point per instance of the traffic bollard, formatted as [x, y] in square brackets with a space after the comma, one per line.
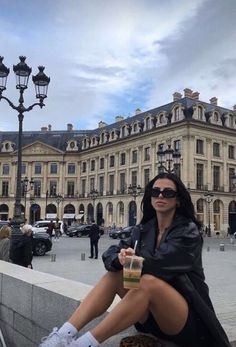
[53, 257]
[222, 247]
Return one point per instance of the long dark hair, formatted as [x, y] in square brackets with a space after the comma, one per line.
[184, 208]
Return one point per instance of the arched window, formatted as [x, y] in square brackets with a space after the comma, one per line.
[110, 213]
[200, 206]
[200, 113]
[216, 206]
[162, 119]
[176, 113]
[121, 212]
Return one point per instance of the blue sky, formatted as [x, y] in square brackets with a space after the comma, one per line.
[109, 57]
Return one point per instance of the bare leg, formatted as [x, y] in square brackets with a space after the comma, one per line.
[99, 299]
[169, 308]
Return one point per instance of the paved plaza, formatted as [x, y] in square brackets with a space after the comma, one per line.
[219, 265]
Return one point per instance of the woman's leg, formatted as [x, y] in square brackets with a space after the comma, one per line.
[168, 307]
[99, 299]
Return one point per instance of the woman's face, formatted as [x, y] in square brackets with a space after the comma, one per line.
[168, 202]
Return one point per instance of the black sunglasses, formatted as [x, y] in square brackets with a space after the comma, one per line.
[167, 193]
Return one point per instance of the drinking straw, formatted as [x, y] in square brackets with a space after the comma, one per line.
[132, 259]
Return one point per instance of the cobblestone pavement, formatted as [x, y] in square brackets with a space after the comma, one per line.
[219, 266]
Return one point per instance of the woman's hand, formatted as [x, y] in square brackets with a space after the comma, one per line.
[123, 253]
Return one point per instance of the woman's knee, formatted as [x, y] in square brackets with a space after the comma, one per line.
[152, 283]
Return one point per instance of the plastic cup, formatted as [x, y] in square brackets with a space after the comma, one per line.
[132, 271]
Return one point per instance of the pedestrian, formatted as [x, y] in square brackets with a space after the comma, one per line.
[50, 228]
[21, 250]
[65, 227]
[57, 229]
[172, 301]
[5, 235]
[94, 235]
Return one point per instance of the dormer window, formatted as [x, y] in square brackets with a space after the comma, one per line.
[148, 123]
[7, 146]
[162, 119]
[72, 145]
[176, 114]
[199, 113]
[216, 117]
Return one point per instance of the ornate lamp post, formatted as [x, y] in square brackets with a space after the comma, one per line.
[209, 198]
[168, 159]
[25, 189]
[41, 81]
[93, 195]
[134, 190]
[59, 199]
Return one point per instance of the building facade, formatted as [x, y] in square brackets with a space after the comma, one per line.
[92, 170]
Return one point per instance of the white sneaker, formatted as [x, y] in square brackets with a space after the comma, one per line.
[55, 340]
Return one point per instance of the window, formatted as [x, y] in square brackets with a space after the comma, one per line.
[147, 123]
[70, 188]
[135, 128]
[231, 185]
[92, 184]
[37, 188]
[216, 177]
[92, 165]
[134, 156]
[199, 147]
[112, 161]
[134, 178]
[83, 187]
[123, 131]
[111, 184]
[216, 149]
[146, 176]
[176, 114]
[71, 168]
[84, 166]
[53, 168]
[200, 206]
[101, 163]
[101, 185]
[177, 145]
[231, 152]
[23, 169]
[5, 169]
[52, 188]
[122, 183]
[200, 169]
[5, 188]
[37, 168]
[122, 159]
[200, 113]
[147, 153]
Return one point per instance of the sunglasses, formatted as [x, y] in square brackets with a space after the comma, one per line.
[167, 193]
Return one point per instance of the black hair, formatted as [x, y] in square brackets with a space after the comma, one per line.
[184, 208]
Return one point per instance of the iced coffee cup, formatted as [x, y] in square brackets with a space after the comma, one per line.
[132, 269]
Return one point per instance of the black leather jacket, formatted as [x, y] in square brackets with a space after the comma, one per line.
[178, 261]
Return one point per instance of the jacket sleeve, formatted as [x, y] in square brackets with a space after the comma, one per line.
[6, 250]
[110, 256]
[177, 254]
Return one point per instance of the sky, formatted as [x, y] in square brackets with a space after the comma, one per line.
[109, 57]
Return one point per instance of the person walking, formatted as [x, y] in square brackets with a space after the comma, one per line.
[57, 229]
[21, 249]
[5, 235]
[94, 236]
[172, 301]
[50, 228]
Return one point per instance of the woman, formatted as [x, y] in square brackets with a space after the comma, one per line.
[172, 301]
[5, 234]
[21, 248]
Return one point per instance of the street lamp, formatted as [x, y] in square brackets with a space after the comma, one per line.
[93, 195]
[134, 190]
[59, 198]
[168, 159]
[25, 189]
[209, 197]
[41, 81]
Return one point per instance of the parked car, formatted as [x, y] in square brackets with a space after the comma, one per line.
[80, 230]
[120, 233]
[3, 222]
[42, 226]
[41, 243]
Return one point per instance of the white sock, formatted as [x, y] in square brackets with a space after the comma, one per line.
[87, 340]
[67, 329]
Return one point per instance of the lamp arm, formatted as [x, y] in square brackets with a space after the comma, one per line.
[9, 102]
[40, 104]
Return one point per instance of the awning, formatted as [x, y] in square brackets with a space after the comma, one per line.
[68, 216]
[79, 216]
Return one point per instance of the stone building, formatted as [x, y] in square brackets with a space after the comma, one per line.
[107, 160]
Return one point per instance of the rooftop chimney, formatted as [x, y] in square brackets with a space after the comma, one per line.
[49, 127]
[195, 95]
[177, 96]
[213, 100]
[119, 118]
[69, 127]
[102, 124]
[44, 129]
[188, 93]
[138, 111]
